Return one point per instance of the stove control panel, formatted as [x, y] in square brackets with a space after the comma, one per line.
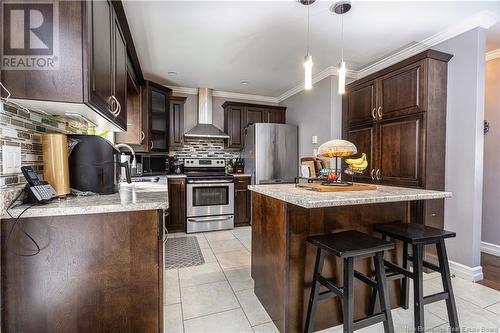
[205, 163]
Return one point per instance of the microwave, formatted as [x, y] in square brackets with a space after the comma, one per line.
[154, 164]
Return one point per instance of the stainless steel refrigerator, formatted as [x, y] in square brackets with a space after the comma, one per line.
[271, 153]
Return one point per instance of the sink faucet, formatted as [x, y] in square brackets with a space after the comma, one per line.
[134, 160]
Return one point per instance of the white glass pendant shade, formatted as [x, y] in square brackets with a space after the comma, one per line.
[308, 64]
[342, 72]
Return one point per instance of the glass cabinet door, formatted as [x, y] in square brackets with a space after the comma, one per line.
[159, 119]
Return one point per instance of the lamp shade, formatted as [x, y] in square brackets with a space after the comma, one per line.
[337, 148]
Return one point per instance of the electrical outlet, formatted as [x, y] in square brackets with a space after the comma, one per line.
[11, 157]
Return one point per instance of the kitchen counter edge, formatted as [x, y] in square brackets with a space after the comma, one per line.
[292, 194]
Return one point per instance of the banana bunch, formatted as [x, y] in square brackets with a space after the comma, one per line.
[357, 164]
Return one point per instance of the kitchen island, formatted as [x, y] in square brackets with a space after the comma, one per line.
[100, 266]
[282, 261]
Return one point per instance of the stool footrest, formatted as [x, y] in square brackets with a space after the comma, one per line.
[436, 297]
[364, 278]
[394, 276]
[398, 269]
[326, 294]
[368, 321]
[333, 288]
[427, 264]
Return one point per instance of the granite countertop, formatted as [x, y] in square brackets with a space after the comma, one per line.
[131, 197]
[311, 199]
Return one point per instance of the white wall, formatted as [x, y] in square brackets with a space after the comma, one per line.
[464, 144]
[310, 110]
[316, 112]
[491, 188]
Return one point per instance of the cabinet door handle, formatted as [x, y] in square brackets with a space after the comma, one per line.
[119, 108]
[373, 113]
[142, 136]
[378, 174]
[112, 105]
[379, 112]
[371, 174]
[152, 144]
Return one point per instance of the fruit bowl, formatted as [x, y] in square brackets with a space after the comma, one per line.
[337, 148]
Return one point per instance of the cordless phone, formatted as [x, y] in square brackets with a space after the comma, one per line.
[39, 191]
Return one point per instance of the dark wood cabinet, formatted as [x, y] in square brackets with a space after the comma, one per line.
[402, 91]
[255, 115]
[101, 64]
[237, 116]
[120, 73]
[157, 107]
[364, 139]
[91, 71]
[176, 220]
[242, 203]
[397, 116]
[400, 151]
[136, 127]
[234, 123]
[176, 121]
[105, 270]
[276, 116]
[360, 103]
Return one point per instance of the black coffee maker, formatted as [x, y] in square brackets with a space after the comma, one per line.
[94, 164]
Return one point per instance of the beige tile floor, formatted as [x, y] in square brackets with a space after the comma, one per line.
[218, 296]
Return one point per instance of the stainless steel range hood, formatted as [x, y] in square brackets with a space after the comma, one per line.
[205, 128]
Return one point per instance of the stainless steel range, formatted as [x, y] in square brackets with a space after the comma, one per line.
[210, 195]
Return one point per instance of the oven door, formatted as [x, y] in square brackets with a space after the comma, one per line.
[210, 198]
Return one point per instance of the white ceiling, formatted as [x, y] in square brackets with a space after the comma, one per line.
[219, 44]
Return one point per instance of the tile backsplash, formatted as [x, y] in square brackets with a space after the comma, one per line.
[22, 128]
[204, 148]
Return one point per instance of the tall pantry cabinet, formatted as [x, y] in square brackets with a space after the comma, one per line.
[397, 116]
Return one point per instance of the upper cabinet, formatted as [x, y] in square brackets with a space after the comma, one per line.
[237, 116]
[176, 121]
[397, 117]
[359, 103]
[157, 107]
[402, 91]
[91, 71]
[136, 125]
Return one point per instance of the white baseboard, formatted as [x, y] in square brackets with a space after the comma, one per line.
[489, 248]
[473, 274]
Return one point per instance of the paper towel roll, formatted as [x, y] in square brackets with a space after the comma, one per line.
[55, 162]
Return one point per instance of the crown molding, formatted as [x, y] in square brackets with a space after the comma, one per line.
[184, 90]
[329, 71]
[247, 97]
[483, 19]
[495, 54]
[226, 94]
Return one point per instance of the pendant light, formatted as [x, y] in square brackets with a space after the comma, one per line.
[308, 63]
[341, 8]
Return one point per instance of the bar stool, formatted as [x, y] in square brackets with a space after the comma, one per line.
[419, 235]
[348, 245]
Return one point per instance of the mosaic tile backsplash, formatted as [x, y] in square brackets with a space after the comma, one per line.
[21, 128]
[204, 148]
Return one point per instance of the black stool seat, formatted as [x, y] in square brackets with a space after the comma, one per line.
[419, 235]
[413, 233]
[350, 243]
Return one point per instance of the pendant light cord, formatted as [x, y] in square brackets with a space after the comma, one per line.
[342, 35]
[307, 39]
